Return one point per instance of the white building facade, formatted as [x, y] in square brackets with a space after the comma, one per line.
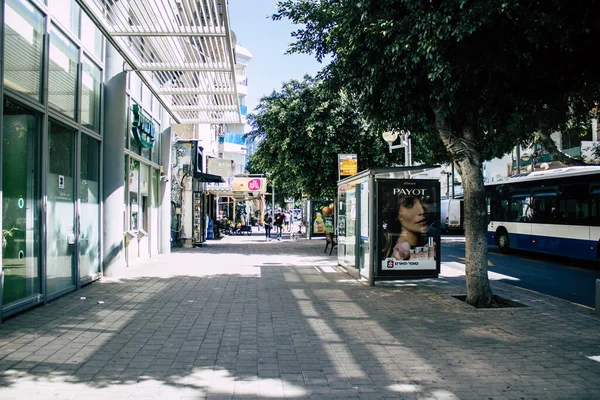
[90, 90]
[205, 159]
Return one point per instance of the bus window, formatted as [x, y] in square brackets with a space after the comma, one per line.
[520, 207]
[545, 208]
[574, 204]
[498, 205]
[594, 212]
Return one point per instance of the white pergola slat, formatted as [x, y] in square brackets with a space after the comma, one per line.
[181, 49]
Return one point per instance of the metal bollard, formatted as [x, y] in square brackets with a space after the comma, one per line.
[598, 296]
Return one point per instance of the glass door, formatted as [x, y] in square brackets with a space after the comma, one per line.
[61, 210]
[20, 204]
[89, 210]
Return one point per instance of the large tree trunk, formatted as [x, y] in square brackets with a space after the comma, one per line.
[479, 293]
[467, 161]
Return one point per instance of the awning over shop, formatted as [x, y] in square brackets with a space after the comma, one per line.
[202, 177]
[181, 49]
[240, 187]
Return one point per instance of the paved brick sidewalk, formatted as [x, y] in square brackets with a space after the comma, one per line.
[245, 319]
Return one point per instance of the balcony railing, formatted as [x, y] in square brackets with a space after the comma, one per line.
[235, 138]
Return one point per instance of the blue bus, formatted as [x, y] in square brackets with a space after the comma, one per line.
[555, 211]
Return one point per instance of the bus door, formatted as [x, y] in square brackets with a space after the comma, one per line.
[521, 213]
[582, 205]
[547, 221]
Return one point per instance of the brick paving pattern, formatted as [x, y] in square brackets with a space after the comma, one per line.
[242, 318]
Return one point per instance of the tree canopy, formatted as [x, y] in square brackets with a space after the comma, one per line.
[505, 69]
[302, 129]
[477, 76]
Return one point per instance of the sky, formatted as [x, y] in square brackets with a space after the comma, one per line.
[267, 40]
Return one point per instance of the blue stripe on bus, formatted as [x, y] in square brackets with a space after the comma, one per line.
[574, 248]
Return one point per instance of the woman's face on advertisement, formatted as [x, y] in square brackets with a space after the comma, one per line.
[412, 215]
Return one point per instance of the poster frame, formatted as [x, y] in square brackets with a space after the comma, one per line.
[413, 267]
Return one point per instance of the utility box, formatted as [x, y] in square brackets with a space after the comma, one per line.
[388, 223]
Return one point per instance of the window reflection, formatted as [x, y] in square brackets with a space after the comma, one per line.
[23, 42]
[90, 102]
[20, 203]
[67, 12]
[91, 38]
[62, 78]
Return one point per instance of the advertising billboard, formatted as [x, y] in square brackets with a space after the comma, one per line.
[408, 225]
[322, 217]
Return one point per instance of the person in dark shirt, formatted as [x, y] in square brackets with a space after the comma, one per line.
[279, 221]
[268, 226]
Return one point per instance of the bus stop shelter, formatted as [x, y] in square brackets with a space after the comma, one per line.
[388, 223]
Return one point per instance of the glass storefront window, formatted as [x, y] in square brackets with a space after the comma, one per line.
[156, 148]
[90, 95]
[61, 209]
[144, 199]
[155, 106]
[91, 37]
[141, 136]
[67, 12]
[146, 153]
[134, 184]
[126, 187]
[155, 204]
[135, 84]
[128, 124]
[23, 45]
[89, 195]
[62, 80]
[146, 97]
[20, 203]
[133, 144]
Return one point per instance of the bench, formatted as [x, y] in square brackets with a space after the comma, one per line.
[331, 240]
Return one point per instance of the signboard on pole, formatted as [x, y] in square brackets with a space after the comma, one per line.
[348, 165]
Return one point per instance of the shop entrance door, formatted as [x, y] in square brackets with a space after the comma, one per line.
[20, 206]
[89, 210]
[60, 238]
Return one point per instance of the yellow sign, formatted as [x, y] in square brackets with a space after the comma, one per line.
[348, 164]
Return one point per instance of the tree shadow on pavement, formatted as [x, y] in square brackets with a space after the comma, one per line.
[242, 324]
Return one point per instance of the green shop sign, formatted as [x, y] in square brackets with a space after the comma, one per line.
[142, 128]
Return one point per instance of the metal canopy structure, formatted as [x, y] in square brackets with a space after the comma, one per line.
[181, 49]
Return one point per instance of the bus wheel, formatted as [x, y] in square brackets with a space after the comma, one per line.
[502, 240]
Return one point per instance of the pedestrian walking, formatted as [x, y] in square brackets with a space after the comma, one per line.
[268, 226]
[288, 221]
[279, 222]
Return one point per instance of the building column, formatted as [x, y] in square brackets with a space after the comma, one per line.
[115, 121]
[165, 192]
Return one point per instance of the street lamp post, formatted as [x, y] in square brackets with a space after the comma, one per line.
[405, 142]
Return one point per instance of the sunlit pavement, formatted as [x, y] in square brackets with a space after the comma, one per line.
[242, 318]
